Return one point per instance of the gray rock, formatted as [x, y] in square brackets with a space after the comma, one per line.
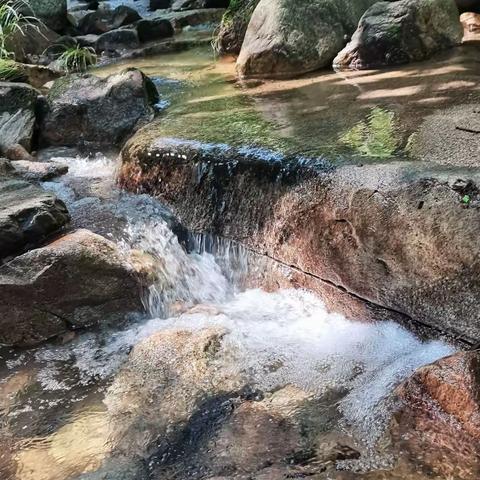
[154, 29]
[31, 43]
[85, 109]
[104, 20]
[77, 281]
[17, 114]
[280, 42]
[160, 4]
[179, 5]
[233, 28]
[28, 215]
[401, 32]
[117, 41]
[52, 13]
[39, 171]
[87, 40]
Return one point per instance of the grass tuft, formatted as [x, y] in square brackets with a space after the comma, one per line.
[15, 16]
[77, 59]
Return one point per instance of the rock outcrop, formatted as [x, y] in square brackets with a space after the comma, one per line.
[401, 236]
[28, 215]
[280, 42]
[53, 13]
[229, 38]
[104, 20]
[394, 33]
[77, 281]
[85, 109]
[438, 423]
[18, 102]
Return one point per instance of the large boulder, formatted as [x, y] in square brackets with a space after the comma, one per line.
[53, 13]
[31, 43]
[104, 20]
[401, 236]
[18, 102]
[28, 215]
[286, 38]
[229, 38]
[393, 33]
[438, 422]
[74, 282]
[85, 109]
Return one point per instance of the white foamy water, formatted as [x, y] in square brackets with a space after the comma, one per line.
[273, 339]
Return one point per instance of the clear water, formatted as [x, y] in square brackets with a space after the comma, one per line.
[58, 402]
[360, 117]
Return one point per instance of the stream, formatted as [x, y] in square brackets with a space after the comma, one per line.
[56, 400]
[53, 408]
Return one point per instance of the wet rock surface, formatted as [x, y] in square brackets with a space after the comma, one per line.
[401, 236]
[18, 102]
[76, 281]
[105, 20]
[280, 43]
[28, 215]
[438, 423]
[401, 32]
[39, 171]
[85, 109]
[234, 27]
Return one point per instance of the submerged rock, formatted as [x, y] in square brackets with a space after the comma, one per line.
[401, 32]
[280, 42]
[85, 109]
[165, 381]
[18, 102]
[438, 423]
[77, 281]
[28, 215]
[400, 236]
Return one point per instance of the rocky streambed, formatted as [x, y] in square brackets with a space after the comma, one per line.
[216, 279]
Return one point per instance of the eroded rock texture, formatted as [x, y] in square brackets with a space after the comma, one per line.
[402, 236]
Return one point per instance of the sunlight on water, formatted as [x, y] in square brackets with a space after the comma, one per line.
[54, 406]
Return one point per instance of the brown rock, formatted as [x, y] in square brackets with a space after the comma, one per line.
[397, 235]
[439, 421]
[28, 215]
[16, 152]
[471, 26]
[74, 282]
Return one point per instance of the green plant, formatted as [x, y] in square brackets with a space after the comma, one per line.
[77, 59]
[238, 12]
[14, 19]
[10, 71]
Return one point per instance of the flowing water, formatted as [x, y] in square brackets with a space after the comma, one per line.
[59, 402]
[56, 399]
